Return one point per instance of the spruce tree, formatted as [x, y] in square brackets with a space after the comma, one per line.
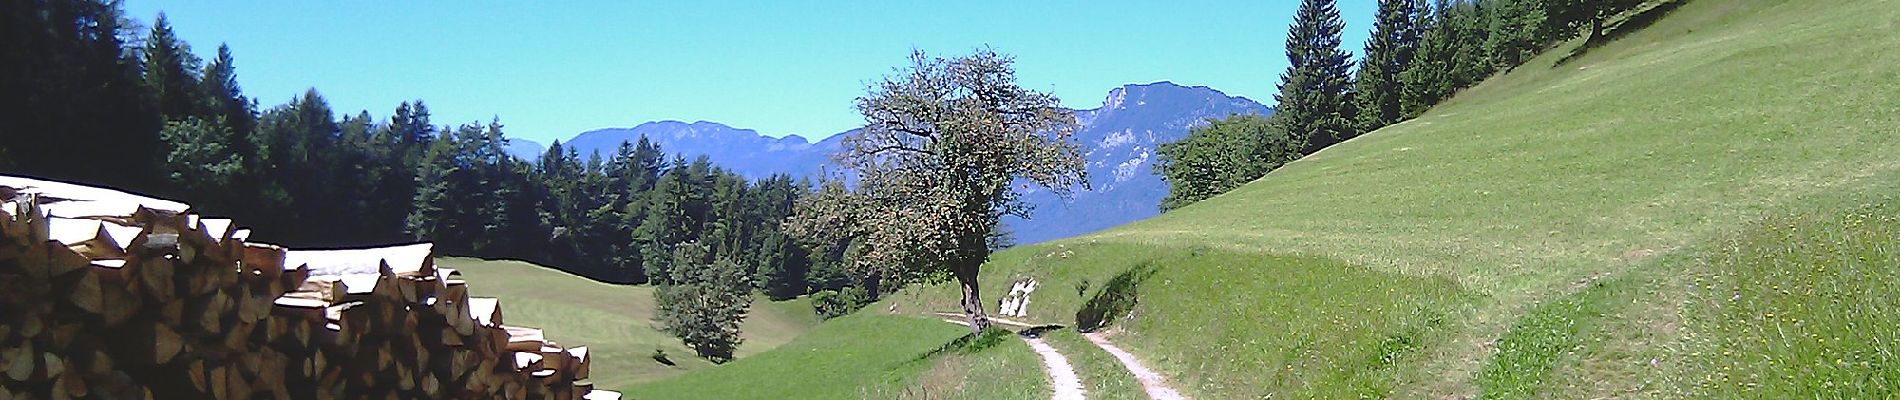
[1389, 51]
[1427, 80]
[1315, 102]
[171, 73]
[224, 98]
[1469, 32]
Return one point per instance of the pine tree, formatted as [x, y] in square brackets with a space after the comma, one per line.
[1516, 31]
[1428, 79]
[171, 73]
[224, 98]
[1378, 88]
[1469, 30]
[664, 225]
[1315, 102]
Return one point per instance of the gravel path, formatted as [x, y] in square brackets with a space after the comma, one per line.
[1067, 385]
[1152, 382]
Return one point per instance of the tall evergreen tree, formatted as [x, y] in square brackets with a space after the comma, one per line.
[1470, 31]
[1517, 30]
[1315, 99]
[171, 73]
[1389, 51]
[224, 98]
[1427, 80]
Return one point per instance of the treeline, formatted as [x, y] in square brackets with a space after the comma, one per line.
[107, 103]
[1418, 55]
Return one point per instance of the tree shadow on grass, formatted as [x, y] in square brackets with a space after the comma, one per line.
[1635, 22]
[969, 343]
[1117, 297]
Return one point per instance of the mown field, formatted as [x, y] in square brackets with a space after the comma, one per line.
[614, 321]
[1701, 208]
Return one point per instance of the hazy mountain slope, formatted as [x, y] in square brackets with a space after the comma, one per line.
[1119, 139]
[524, 149]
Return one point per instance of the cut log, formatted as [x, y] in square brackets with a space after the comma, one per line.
[580, 362]
[165, 344]
[20, 362]
[86, 294]
[524, 339]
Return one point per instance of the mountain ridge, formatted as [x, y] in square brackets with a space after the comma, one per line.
[1118, 139]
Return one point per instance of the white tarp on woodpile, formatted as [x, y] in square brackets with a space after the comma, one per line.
[409, 258]
[68, 200]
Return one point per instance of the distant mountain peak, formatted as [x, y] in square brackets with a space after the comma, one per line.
[1131, 95]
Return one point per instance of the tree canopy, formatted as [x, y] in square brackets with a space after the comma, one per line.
[944, 142]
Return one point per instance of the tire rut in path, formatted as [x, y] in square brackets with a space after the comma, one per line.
[1062, 377]
[1156, 386]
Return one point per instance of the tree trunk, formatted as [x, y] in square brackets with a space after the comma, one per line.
[972, 306]
[1596, 29]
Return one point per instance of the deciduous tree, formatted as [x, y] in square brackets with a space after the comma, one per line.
[1221, 156]
[705, 303]
[944, 144]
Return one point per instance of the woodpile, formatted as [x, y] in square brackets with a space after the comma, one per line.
[109, 295]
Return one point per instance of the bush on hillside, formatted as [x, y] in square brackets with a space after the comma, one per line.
[705, 303]
[1220, 156]
[830, 304]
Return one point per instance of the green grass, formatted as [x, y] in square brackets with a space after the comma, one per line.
[1317, 328]
[1539, 235]
[1801, 307]
[1531, 350]
[992, 372]
[613, 321]
[847, 357]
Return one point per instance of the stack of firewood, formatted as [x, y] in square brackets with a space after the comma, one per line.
[109, 295]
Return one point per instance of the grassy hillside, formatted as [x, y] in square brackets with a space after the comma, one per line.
[864, 355]
[614, 321]
[1529, 238]
[1701, 208]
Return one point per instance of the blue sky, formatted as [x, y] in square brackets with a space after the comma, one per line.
[784, 67]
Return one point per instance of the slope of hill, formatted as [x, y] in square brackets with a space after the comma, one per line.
[1628, 223]
[1119, 139]
[615, 321]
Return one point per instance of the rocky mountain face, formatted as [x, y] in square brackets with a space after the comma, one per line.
[1119, 140]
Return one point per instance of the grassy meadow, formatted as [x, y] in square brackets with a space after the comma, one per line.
[614, 321]
[854, 356]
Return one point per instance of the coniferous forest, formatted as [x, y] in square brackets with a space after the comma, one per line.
[110, 100]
